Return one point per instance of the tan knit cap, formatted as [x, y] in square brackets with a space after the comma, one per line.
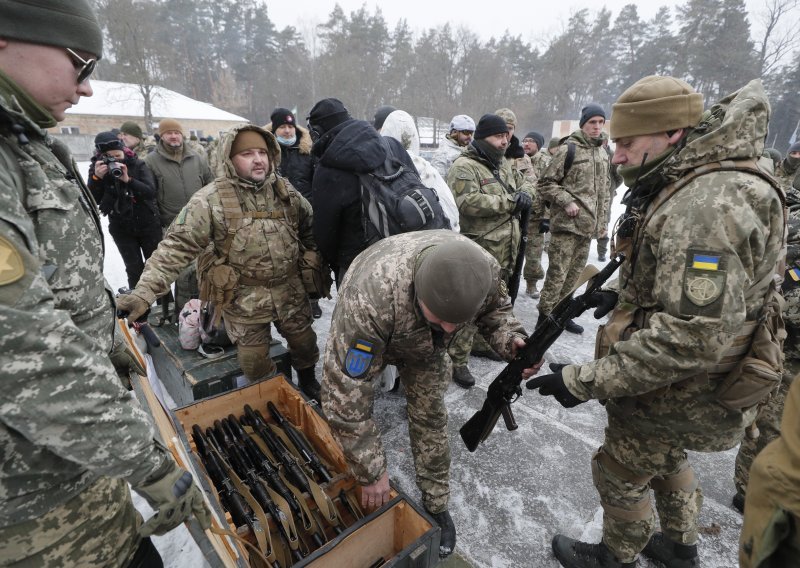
[508, 115]
[248, 140]
[168, 124]
[655, 104]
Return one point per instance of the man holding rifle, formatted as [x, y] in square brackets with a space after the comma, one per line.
[693, 345]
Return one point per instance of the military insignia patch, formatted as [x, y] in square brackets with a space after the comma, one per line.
[503, 289]
[794, 273]
[11, 266]
[703, 286]
[358, 358]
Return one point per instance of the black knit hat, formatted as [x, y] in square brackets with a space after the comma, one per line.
[590, 111]
[488, 125]
[381, 114]
[281, 116]
[537, 137]
[326, 114]
[106, 141]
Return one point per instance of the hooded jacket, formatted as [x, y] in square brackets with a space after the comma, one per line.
[297, 164]
[349, 147]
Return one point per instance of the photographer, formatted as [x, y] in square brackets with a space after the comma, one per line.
[125, 190]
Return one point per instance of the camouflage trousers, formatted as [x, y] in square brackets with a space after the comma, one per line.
[98, 527]
[533, 252]
[567, 255]
[602, 246]
[625, 469]
[465, 340]
[769, 428]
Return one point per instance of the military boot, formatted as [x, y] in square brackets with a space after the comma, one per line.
[531, 290]
[671, 554]
[447, 541]
[308, 382]
[738, 502]
[316, 311]
[575, 554]
[463, 377]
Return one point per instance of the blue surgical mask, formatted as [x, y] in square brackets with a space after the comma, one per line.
[286, 141]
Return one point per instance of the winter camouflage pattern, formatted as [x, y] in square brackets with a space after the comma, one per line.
[445, 155]
[265, 249]
[615, 180]
[572, 250]
[788, 173]
[377, 322]
[65, 420]
[655, 382]
[533, 252]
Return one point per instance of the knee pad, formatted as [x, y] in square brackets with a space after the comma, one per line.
[684, 480]
[255, 362]
[604, 467]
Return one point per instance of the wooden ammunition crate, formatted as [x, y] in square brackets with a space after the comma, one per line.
[399, 534]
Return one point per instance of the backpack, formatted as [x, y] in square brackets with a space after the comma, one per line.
[189, 325]
[394, 200]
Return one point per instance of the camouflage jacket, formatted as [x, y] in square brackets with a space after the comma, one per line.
[791, 285]
[266, 249]
[65, 419]
[586, 184]
[445, 155]
[377, 305]
[539, 162]
[787, 175]
[177, 180]
[485, 206]
[700, 268]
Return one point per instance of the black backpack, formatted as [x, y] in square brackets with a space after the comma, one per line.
[394, 200]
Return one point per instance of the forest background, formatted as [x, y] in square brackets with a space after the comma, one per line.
[231, 54]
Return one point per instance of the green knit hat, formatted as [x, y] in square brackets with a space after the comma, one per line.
[554, 141]
[132, 129]
[655, 104]
[62, 23]
[453, 280]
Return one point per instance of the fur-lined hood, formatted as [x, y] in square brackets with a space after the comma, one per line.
[304, 141]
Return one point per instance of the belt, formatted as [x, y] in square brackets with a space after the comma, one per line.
[268, 282]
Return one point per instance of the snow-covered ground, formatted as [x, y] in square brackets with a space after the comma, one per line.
[519, 488]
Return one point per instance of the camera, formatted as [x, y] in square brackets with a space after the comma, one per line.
[113, 167]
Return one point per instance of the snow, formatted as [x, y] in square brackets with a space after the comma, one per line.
[518, 489]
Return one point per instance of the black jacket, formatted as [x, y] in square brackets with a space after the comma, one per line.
[352, 146]
[131, 206]
[297, 165]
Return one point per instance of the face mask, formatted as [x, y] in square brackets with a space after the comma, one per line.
[286, 141]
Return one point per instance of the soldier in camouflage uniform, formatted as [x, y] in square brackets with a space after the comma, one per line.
[578, 204]
[72, 437]
[614, 180]
[788, 171]
[400, 303]
[254, 270]
[703, 248]
[490, 195]
[533, 145]
[131, 135]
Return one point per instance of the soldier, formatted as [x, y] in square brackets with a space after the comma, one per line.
[788, 171]
[72, 438]
[614, 181]
[533, 145]
[489, 199]
[704, 236]
[400, 303]
[462, 128]
[131, 135]
[260, 227]
[578, 197]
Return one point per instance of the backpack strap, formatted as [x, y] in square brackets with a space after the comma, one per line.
[570, 158]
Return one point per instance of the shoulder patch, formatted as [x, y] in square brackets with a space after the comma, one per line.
[358, 358]
[703, 283]
[11, 266]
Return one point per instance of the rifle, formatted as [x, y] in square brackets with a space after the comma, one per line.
[516, 276]
[299, 443]
[505, 388]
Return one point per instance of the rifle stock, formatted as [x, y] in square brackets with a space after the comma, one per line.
[505, 388]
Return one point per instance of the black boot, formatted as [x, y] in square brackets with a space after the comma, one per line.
[463, 377]
[738, 502]
[308, 383]
[573, 327]
[671, 554]
[316, 311]
[575, 554]
[447, 541]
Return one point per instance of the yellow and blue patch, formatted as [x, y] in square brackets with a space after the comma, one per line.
[794, 273]
[358, 358]
[705, 262]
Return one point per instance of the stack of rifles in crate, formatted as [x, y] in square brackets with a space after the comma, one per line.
[270, 479]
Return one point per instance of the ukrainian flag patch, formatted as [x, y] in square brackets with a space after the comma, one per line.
[794, 274]
[359, 358]
[705, 262]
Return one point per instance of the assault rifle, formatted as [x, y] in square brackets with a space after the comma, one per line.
[516, 276]
[505, 388]
[299, 443]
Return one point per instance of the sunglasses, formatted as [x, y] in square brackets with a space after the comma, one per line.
[112, 145]
[87, 67]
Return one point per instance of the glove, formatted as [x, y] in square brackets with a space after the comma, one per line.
[604, 301]
[175, 499]
[544, 226]
[553, 385]
[131, 306]
[125, 362]
[522, 202]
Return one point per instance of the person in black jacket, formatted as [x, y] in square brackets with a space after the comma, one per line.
[296, 165]
[343, 147]
[125, 190]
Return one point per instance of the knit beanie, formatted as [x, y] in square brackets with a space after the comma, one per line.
[248, 140]
[132, 129]
[106, 141]
[453, 280]
[508, 115]
[381, 114]
[281, 116]
[655, 104]
[538, 138]
[554, 142]
[794, 148]
[462, 122]
[168, 124]
[590, 111]
[326, 114]
[62, 23]
[490, 124]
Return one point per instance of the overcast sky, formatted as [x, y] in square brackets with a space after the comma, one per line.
[534, 20]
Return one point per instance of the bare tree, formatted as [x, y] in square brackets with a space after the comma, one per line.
[780, 34]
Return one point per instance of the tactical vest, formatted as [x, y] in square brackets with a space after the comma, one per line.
[752, 367]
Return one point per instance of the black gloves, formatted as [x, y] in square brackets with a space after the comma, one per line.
[522, 202]
[604, 301]
[544, 226]
[553, 385]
